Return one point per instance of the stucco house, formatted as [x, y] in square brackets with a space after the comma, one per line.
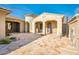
[45, 23]
[9, 24]
[74, 25]
[74, 30]
[3, 13]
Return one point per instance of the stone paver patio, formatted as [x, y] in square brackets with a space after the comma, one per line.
[47, 45]
[22, 39]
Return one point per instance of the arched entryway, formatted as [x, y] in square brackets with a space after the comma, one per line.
[27, 27]
[51, 27]
[12, 27]
[38, 27]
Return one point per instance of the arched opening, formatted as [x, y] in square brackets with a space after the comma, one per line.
[38, 27]
[12, 27]
[27, 27]
[51, 27]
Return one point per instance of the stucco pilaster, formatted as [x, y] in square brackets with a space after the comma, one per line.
[2, 26]
[59, 27]
[44, 28]
[3, 13]
[30, 27]
[33, 27]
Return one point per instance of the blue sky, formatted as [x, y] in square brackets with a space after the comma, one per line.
[19, 10]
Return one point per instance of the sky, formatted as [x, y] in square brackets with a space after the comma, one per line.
[19, 10]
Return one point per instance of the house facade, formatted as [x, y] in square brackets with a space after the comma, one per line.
[45, 23]
[74, 25]
[74, 30]
[9, 24]
[3, 13]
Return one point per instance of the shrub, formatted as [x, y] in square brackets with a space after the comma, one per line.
[5, 41]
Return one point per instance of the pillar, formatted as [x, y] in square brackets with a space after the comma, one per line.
[43, 28]
[26, 26]
[2, 26]
[59, 27]
[3, 13]
[38, 27]
[33, 27]
[30, 26]
[70, 33]
[46, 29]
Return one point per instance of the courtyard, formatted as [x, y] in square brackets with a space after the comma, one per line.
[44, 33]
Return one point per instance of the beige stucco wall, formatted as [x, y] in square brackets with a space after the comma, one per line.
[28, 19]
[54, 28]
[74, 32]
[75, 27]
[3, 13]
[22, 26]
[26, 26]
[49, 17]
[2, 25]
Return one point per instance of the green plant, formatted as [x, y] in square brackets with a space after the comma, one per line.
[5, 41]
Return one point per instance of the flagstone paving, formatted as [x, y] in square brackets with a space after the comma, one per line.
[47, 45]
[22, 39]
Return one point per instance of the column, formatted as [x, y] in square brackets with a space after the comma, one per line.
[26, 26]
[70, 33]
[59, 27]
[44, 28]
[2, 26]
[30, 25]
[33, 27]
[38, 27]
